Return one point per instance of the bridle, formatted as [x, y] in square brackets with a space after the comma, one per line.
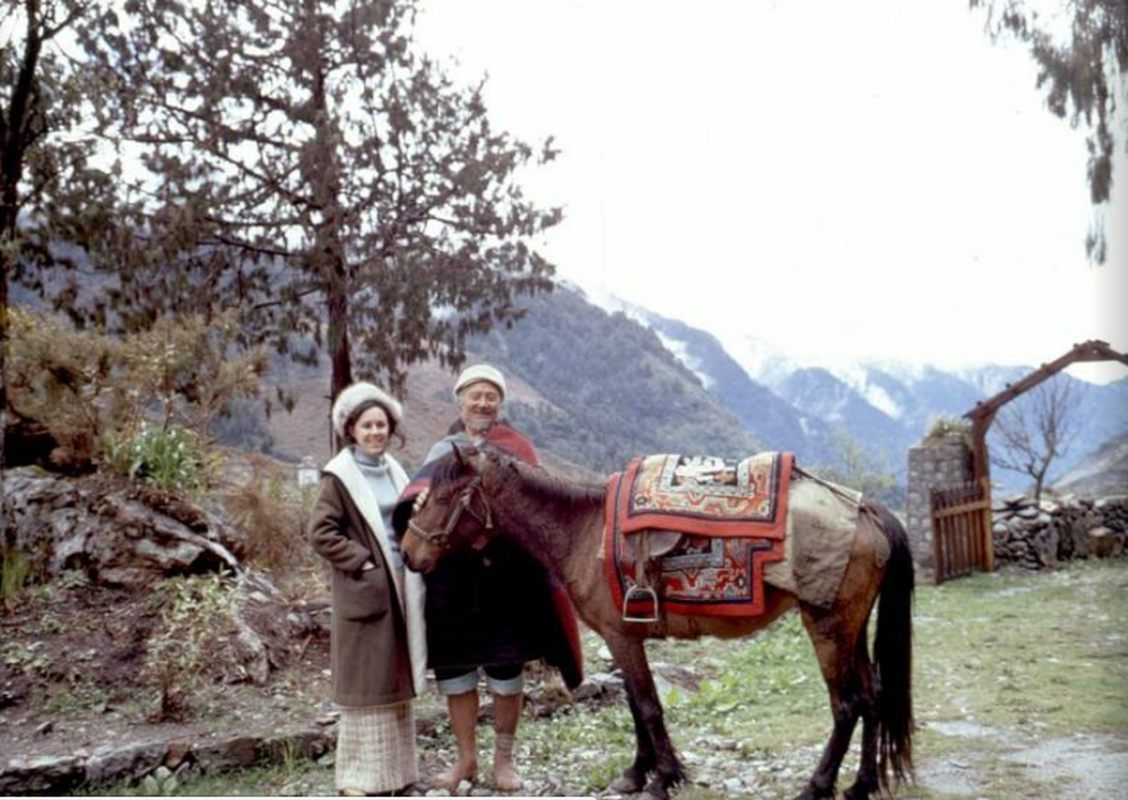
[464, 504]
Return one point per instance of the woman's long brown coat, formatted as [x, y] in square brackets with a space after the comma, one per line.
[370, 660]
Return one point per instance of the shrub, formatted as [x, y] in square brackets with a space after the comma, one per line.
[15, 575]
[270, 515]
[84, 384]
[199, 615]
[948, 430]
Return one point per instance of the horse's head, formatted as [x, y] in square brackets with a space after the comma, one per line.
[455, 515]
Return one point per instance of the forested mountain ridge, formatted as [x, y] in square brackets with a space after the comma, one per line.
[615, 390]
[591, 389]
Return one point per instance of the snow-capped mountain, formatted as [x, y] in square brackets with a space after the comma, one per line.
[886, 406]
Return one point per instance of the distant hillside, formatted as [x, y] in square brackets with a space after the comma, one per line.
[611, 389]
[1102, 472]
[818, 393]
[429, 410]
[593, 387]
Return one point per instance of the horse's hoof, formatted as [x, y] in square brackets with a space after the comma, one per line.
[859, 792]
[625, 784]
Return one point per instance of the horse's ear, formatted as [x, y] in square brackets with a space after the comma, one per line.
[467, 456]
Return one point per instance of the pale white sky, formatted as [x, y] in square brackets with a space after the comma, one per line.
[850, 178]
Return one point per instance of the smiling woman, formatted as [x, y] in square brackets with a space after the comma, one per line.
[378, 644]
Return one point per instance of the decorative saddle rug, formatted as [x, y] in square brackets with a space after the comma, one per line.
[732, 517]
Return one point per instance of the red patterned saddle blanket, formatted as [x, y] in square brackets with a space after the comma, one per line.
[729, 519]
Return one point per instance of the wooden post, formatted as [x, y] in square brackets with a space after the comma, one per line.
[937, 537]
[988, 525]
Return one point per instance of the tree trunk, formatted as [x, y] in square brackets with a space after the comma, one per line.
[329, 246]
[14, 143]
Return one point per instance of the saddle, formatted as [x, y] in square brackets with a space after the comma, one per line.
[663, 510]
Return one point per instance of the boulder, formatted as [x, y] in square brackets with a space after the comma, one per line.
[118, 532]
[1104, 543]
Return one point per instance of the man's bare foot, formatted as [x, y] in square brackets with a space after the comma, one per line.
[506, 778]
[452, 777]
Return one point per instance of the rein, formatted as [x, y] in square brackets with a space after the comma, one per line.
[464, 505]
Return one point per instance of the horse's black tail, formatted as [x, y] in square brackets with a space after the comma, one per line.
[893, 653]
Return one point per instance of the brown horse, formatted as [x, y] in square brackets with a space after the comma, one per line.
[561, 523]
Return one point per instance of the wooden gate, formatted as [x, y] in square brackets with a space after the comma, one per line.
[961, 530]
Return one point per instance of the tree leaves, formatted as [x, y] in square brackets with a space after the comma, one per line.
[1081, 70]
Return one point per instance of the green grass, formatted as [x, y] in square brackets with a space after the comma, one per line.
[1046, 653]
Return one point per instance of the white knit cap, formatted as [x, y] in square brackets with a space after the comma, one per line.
[480, 372]
[352, 396]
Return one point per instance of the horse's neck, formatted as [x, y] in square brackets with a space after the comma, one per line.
[553, 526]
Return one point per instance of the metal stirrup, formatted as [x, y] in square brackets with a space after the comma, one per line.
[642, 591]
[639, 594]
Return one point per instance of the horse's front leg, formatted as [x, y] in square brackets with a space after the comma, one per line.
[630, 655]
[634, 777]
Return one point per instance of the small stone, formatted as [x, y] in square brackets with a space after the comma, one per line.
[150, 787]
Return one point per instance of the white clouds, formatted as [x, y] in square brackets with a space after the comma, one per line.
[873, 178]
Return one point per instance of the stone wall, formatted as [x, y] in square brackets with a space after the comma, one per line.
[1041, 535]
[931, 467]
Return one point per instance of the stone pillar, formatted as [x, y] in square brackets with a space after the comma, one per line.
[931, 467]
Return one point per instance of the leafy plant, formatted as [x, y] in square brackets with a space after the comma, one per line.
[73, 579]
[24, 658]
[192, 640]
[77, 697]
[169, 458]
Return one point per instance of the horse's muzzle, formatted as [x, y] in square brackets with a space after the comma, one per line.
[420, 565]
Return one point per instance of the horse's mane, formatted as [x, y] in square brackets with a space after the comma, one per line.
[542, 486]
[539, 484]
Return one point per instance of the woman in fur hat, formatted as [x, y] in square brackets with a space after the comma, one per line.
[378, 637]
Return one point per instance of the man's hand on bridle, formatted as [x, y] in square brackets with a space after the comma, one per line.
[420, 500]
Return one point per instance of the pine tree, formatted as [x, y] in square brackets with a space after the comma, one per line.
[303, 163]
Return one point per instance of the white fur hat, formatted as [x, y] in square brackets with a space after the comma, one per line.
[480, 372]
[352, 396]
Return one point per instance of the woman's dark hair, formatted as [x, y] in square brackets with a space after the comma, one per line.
[364, 406]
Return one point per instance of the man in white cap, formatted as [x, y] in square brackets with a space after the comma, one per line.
[489, 611]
